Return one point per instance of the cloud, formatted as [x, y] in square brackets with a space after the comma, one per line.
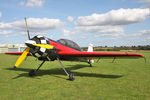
[34, 24]
[5, 25]
[141, 37]
[67, 33]
[4, 32]
[32, 3]
[103, 29]
[70, 18]
[144, 33]
[146, 2]
[110, 24]
[113, 31]
[140, 34]
[38, 24]
[114, 17]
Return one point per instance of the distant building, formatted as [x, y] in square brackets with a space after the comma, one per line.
[12, 48]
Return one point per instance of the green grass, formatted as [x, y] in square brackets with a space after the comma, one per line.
[125, 79]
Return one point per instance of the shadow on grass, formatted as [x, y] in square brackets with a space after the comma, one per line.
[59, 71]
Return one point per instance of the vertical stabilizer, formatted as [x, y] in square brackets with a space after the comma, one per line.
[90, 48]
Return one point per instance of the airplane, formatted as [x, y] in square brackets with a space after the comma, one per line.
[46, 49]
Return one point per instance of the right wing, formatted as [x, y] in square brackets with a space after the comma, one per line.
[99, 54]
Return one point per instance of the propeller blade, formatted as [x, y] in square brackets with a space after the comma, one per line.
[44, 46]
[22, 57]
[27, 28]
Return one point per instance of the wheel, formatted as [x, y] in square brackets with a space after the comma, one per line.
[31, 73]
[71, 77]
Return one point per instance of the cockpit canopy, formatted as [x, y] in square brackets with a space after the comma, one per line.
[69, 43]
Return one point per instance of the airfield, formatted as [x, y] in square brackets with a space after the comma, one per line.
[125, 79]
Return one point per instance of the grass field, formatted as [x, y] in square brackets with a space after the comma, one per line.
[125, 79]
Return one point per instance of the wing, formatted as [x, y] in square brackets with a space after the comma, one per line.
[15, 53]
[98, 54]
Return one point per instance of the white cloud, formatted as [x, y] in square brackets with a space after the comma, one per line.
[110, 24]
[102, 30]
[114, 17]
[70, 18]
[144, 33]
[146, 2]
[4, 32]
[139, 38]
[67, 33]
[38, 24]
[140, 34]
[5, 25]
[32, 3]
[34, 24]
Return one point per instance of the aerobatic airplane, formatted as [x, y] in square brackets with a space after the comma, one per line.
[46, 49]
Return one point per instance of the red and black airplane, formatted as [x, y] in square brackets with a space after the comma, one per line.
[46, 49]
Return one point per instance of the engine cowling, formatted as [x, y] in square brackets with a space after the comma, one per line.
[39, 52]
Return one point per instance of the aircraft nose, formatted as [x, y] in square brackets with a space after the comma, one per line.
[29, 43]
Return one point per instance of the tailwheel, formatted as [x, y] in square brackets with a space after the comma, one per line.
[90, 65]
[71, 77]
[31, 73]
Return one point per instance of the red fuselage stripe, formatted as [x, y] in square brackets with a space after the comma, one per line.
[62, 47]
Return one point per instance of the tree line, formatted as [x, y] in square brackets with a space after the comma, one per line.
[118, 48]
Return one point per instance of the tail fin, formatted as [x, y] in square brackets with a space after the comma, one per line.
[90, 48]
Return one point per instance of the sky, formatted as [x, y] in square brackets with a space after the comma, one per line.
[100, 22]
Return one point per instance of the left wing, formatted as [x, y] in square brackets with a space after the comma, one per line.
[15, 53]
[98, 54]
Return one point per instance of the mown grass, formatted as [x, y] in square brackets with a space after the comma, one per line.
[125, 79]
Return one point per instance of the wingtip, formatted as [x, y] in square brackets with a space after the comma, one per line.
[141, 55]
[54, 48]
[15, 67]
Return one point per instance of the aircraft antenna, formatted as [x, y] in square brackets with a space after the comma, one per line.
[27, 28]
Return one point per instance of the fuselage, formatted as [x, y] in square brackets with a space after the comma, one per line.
[52, 54]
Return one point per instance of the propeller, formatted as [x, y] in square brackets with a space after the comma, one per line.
[22, 57]
[27, 28]
[44, 46]
[30, 44]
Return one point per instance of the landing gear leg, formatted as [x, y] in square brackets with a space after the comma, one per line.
[71, 75]
[89, 62]
[113, 59]
[90, 65]
[98, 60]
[32, 72]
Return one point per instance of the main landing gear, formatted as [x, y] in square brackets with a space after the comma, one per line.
[33, 72]
[71, 75]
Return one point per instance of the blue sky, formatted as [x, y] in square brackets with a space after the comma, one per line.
[100, 22]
